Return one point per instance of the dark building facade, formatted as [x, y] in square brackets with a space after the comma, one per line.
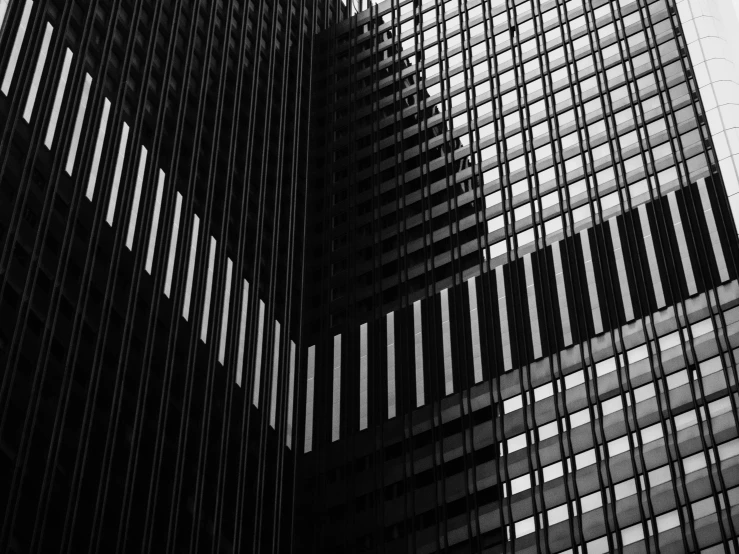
[153, 158]
[294, 276]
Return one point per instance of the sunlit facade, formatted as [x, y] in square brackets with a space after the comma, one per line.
[528, 314]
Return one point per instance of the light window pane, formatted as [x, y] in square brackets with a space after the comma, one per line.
[553, 471]
[516, 443]
[545, 391]
[513, 404]
[520, 484]
[38, 72]
[585, 459]
[574, 379]
[547, 431]
[208, 289]
[579, 418]
[58, 98]
[667, 521]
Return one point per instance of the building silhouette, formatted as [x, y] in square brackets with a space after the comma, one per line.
[293, 276]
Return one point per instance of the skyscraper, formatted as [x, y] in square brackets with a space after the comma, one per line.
[416, 276]
[153, 161]
[525, 299]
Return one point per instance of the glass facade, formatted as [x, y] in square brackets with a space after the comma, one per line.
[528, 249]
[348, 276]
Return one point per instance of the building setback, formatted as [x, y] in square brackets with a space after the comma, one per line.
[293, 276]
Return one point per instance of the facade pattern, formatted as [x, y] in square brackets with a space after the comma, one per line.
[423, 276]
[149, 264]
[551, 368]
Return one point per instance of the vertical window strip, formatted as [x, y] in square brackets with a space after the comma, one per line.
[418, 343]
[309, 388]
[682, 244]
[290, 396]
[590, 275]
[623, 282]
[242, 333]
[475, 327]
[336, 398]
[56, 108]
[275, 378]
[564, 309]
[505, 337]
[98, 145]
[78, 128]
[117, 175]
[38, 72]
[659, 294]
[136, 198]
[446, 341]
[3, 11]
[258, 357]
[533, 311]
[208, 290]
[363, 384]
[224, 315]
[155, 223]
[718, 252]
[391, 398]
[17, 43]
[173, 246]
[191, 266]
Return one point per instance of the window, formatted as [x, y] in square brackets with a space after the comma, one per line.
[136, 198]
[618, 446]
[632, 534]
[17, 44]
[610, 406]
[585, 459]
[591, 502]
[516, 443]
[98, 144]
[117, 175]
[625, 489]
[155, 222]
[659, 476]
[520, 484]
[651, 433]
[191, 267]
[208, 290]
[548, 431]
[258, 357]
[525, 527]
[545, 391]
[579, 418]
[513, 404]
[574, 379]
[308, 398]
[275, 374]
[336, 397]
[553, 471]
[685, 420]
[58, 98]
[78, 128]
[667, 521]
[558, 514]
[173, 246]
[606, 366]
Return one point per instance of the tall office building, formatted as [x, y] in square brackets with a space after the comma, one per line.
[414, 276]
[525, 308]
[153, 162]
